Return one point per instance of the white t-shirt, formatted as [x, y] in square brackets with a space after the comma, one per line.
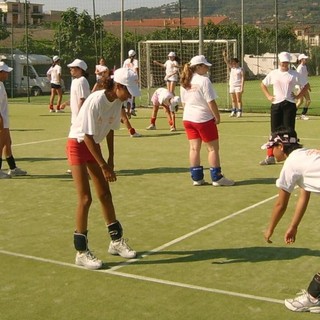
[100, 68]
[302, 168]
[284, 83]
[161, 96]
[80, 89]
[235, 77]
[131, 65]
[54, 73]
[96, 117]
[4, 110]
[171, 67]
[303, 71]
[196, 99]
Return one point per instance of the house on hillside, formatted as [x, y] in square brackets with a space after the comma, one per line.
[148, 25]
[14, 12]
[309, 36]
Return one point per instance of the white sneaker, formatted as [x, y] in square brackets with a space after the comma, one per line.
[223, 182]
[3, 175]
[304, 117]
[267, 161]
[88, 260]
[232, 114]
[17, 172]
[239, 114]
[199, 183]
[151, 127]
[172, 129]
[303, 303]
[135, 135]
[59, 111]
[52, 111]
[121, 248]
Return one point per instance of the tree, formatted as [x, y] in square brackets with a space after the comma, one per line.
[75, 37]
[4, 33]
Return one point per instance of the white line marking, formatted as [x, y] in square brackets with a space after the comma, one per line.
[192, 233]
[37, 142]
[148, 279]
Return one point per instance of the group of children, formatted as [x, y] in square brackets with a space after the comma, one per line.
[95, 116]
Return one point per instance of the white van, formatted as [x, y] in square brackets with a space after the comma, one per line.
[23, 74]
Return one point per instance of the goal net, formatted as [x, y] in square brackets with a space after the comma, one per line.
[152, 75]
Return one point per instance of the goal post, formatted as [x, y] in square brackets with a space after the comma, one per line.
[152, 76]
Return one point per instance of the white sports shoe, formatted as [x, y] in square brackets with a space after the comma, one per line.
[199, 183]
[151, 127]
[3, 175]
[232, 114]
[172, 129]
[303, 303]
[239, 114]
[304, 117]
[121, 248]
[135, 135]
[17, 172]
[88, 260]
[223, 182]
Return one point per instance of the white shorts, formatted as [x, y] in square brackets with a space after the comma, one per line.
[234, 89]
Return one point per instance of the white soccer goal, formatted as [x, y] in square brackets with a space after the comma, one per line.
[152, 76]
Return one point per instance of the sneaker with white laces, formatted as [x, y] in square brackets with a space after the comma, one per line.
[135, 135]
[223, 182]
[17, 172]
[151, 127]
[267, 161]
[304, 117]
[4, 175]
[88, 260]
[304, 302]
[121, 248]
[199, 183]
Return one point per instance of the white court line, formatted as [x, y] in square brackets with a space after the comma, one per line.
[148, 279]
[192, 233]
[37, 142]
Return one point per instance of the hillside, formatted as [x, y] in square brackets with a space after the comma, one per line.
[305, 12]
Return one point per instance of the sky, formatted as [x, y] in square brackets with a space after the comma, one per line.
[102, 7]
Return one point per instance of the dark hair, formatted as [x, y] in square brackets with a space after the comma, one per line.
[291, 133]
[236, 60]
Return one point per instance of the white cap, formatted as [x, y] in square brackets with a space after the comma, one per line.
[302, 56]
[284, 57]
[171, 54]
[199, 60]
[55, 58]
[174, 101]
[78, 63]
[128, 78]
[4, 67]
[131, 53]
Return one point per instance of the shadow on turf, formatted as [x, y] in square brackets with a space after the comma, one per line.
[138, 172]
[232, 255]
[33, 159]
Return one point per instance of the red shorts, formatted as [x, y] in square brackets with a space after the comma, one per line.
[206, 131]
[78, 153]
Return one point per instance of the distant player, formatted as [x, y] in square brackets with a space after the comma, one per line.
[163, 97]
[172, 71]
[236, 84]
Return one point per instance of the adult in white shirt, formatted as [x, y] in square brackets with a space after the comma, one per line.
[97, 119]
[54, 74]
[283, 105]
[302, 169]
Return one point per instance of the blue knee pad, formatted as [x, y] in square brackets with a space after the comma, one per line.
[215, 173]
[196, 173]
